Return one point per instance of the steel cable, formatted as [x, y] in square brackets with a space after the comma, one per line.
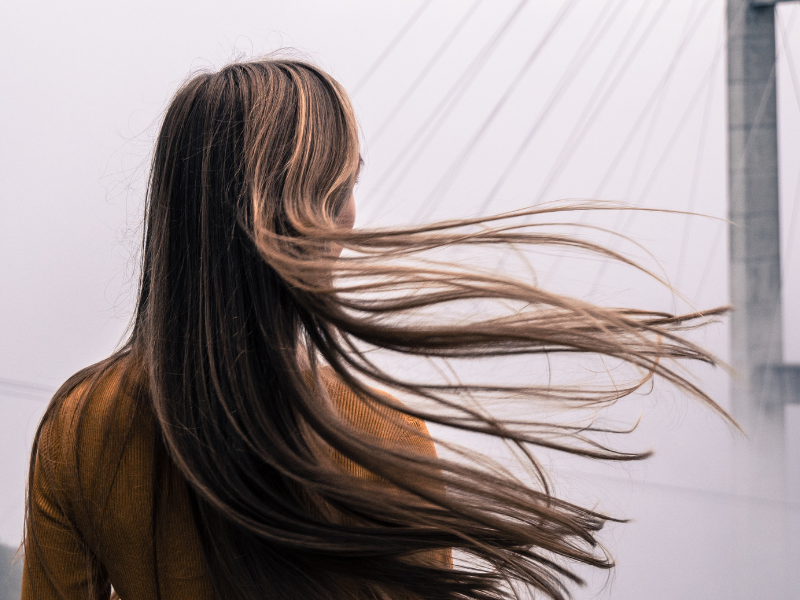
[451, 173]
[440, 113]
[395, 110]
[391, 46]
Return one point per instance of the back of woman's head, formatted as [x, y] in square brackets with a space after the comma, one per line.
[248, 157]
[244, 296]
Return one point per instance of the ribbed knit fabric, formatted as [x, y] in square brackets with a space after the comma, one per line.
[117, 476]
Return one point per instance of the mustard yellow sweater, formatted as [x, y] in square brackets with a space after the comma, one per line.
[121, 489]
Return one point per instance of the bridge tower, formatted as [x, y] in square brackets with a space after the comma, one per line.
[765, 384]
[762, 549]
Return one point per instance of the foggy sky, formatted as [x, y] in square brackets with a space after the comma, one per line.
[84, 86]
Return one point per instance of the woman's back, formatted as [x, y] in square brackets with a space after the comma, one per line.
[145, 505]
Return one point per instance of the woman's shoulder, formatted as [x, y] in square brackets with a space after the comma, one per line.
[386, 422]
[96, 398]
[91, 422]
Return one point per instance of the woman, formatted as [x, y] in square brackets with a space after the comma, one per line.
[231, 448]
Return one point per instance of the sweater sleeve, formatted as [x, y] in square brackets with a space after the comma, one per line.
[58, 564]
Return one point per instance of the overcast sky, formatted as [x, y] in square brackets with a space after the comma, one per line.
[490, 106]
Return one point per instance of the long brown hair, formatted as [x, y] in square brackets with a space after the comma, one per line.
[244, 298]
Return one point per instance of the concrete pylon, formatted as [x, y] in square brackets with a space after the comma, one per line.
[764, 384]
[755, 269]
